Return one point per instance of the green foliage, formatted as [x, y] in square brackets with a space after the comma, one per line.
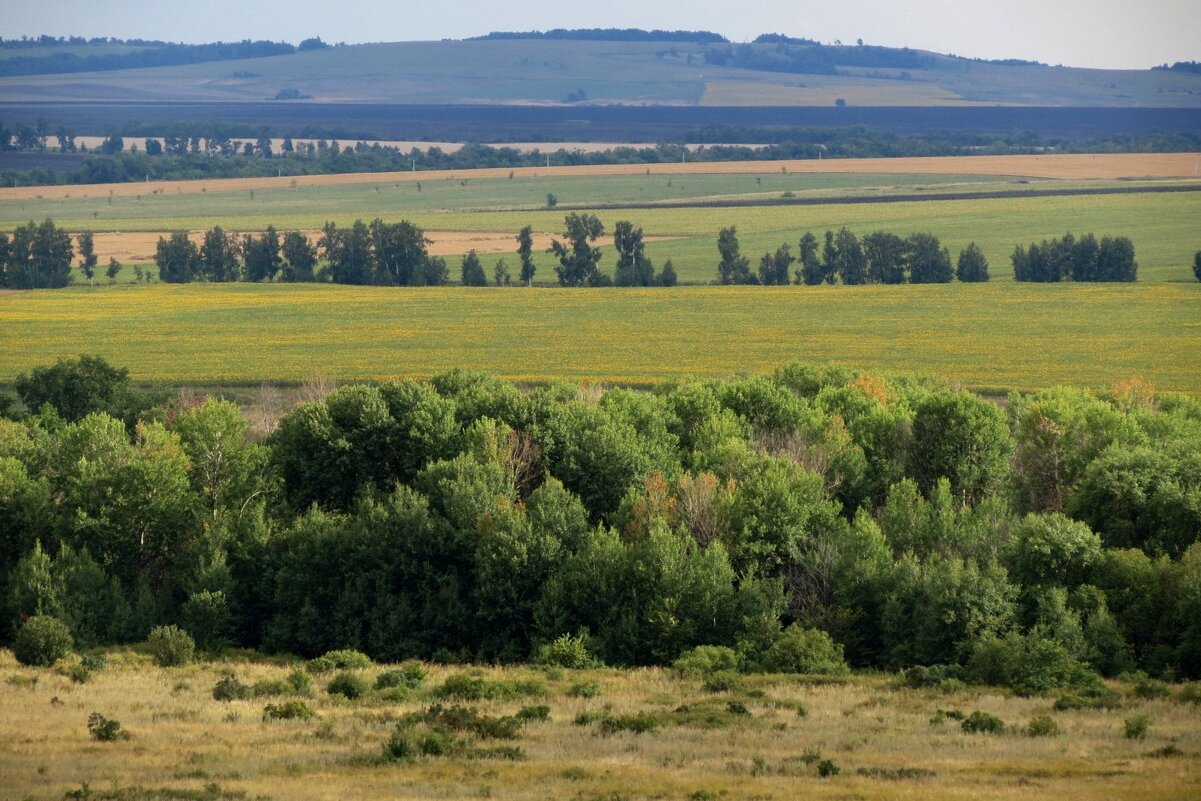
[801, 650]
[705, 660]
[228, 688]
[75, 388]
[578, 259]
[963, 438]
[1042, 726]
[584, 689]
[207, 616]
[41, 641]
[171, 646]
[1029, 664]
[105, 730]
[1051, 549]
[1135, 728]
[635, 723]
[470, 687]
[972, 266]
[473, 270]
[826, 769]
[341, 659]
[983, 723]
[567, 651]
[348, 685]
[288, 710]
[37, 257]
[409, 675]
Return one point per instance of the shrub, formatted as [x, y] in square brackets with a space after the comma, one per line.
[1027, 664]
[469, 687]
[584, 689]
[79, 674]
[705, 660]
[1042, 726]
[104, 729]
[826, 768]
[409, 676]
[288, 710]
[348, 685]
[93, 662]
[269, 687]
[1078, 700]
[568, 652]
[302, 683]
[41, 641]
[171, 646]
[1189, 693]
[1136, 727]
[539, 713]
[921, 677]
[343, 659]
[982, 723]
[801, 650]
[723, 681]
[638, 723]
[738, 708]
[1151, 689]
[228, 688]
[586, 718]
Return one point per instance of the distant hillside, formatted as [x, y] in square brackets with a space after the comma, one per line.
[607, 66]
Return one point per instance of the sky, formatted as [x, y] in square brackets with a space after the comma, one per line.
[1116, 34]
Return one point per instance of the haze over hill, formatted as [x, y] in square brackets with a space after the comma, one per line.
[776, 72]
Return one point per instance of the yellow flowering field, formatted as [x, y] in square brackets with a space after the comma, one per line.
[989, 336]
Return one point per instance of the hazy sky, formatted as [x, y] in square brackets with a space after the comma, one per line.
[1084, 33]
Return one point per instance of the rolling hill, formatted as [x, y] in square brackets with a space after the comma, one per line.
[572, 72]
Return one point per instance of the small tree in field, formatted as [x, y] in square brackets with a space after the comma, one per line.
[972, 266]
[525, 250]
[87, 254]
[1197, 265]
[113, 268]
[473, 270]
[501, 274]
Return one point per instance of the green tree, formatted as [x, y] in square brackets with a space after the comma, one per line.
[39, 257]
[667, 276]
[178, 259]
[261, 255]
[225, 469]
[87, 255]
[773, 269]
[1197, 265]
[929, 262]
[299, 257]
[972, 267]
[114, 267]
[578, 259]
[348, 251]
[525, 251]
[472, 270]
[219, 256]
[964, 438]
[1115, 260]
[501, 274]
[734, 268]
[75, 388]
[1052, 550]
[400, 256]
[633, 268]
[829, 259]
[850, 263]
[885, 254]
[810, 272]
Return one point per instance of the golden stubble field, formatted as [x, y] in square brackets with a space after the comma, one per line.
[886, 742]
[1056, 166]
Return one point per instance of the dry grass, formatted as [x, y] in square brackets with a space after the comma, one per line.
[183, 740]
[1065, 166]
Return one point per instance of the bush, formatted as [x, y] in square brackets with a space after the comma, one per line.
[343, 659]
[638, 723]
[1136, 727]
[228, 688]
[705, 660]
[922, 676]
[288, 710]
[41, 641]
[539, 713]
[171, 646]
[348, 685]
[468, 687]
[105, 730]
[1189, 693]
[826, 768]
[568, 652]
[584, 689]
[93, 663]
[1042, 726]
[1027, 664]
[800, 650]
[302, 683]
[409, 676]
[723, 681]
[982, 723]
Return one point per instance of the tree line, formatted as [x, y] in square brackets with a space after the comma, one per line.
[147, 54]
[1038, 546]
[161, 159]
[879, 258]
[1070, 259]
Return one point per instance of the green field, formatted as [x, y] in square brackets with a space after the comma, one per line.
[1000, 336]
[1163, 226]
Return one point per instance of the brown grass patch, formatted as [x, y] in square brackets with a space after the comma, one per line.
[1064, 166]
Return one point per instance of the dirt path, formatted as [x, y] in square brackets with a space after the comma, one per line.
[1065, 166]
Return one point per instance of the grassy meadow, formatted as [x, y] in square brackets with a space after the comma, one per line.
[765, 738]
[986, 336]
